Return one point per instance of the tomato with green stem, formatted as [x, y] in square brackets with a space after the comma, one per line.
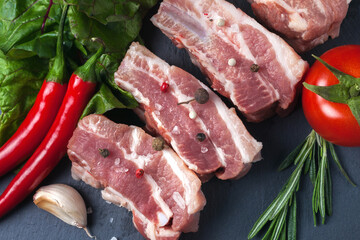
[335, 114]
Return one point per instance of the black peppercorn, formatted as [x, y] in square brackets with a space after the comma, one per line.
[104, 152]
[201, 96]
[200, 137]
[254, 67]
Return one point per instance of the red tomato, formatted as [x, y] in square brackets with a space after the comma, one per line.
[333, 121]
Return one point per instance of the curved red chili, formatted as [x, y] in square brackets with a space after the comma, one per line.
[42, 114]
[35, 126]
[81, 88]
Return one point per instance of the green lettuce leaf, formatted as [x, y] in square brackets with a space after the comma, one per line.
[43, 46]
[20, 28]
[20, 20]
[26, 50]
[103, 101]
[115, 35]
[116, 22]
[108, 11]
[105, 69]
[20, 81]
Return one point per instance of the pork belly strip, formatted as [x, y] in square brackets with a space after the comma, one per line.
[165, 201]
[228, 149]
[303, 23]
[194, 25]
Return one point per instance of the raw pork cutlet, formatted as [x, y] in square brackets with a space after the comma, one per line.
[225, 43]
[303, 23]
[226, 147]
[165, 200]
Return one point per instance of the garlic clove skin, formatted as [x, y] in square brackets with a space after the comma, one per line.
[64, 202]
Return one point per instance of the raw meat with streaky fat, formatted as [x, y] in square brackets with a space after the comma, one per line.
[165, 201]
[228, 149]
[303, 23]
[215, 33]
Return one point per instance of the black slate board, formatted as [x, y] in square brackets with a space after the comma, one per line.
[232, 206]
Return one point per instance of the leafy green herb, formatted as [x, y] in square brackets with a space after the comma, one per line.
[20, 29]
[117, 23]
[106, 68]
[119, 10]
[20, 20]
[27, 48]
[310, 156]
[102, 101]
[337, 161]
[291, 226]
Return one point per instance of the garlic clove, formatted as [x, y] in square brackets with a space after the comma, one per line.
[63, 202]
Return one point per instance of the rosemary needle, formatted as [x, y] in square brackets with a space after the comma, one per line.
[311, 156]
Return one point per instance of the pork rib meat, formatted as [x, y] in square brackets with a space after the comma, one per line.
[227, 149]
[165, 201]
[303, 23]
[225, 43]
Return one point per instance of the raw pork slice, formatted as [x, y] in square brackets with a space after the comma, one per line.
[165, 201]
[303, 23]
[225, 43]
[227, 149]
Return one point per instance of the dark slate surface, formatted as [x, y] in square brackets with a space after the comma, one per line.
[232, 206]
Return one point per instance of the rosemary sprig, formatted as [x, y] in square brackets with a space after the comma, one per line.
[311, 156]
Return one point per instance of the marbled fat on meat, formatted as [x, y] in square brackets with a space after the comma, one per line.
[193, 24]
[165, 201]
[228, 149]
[303, 23]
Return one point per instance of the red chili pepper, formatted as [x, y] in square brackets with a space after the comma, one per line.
[81, 88]
[42, 114]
